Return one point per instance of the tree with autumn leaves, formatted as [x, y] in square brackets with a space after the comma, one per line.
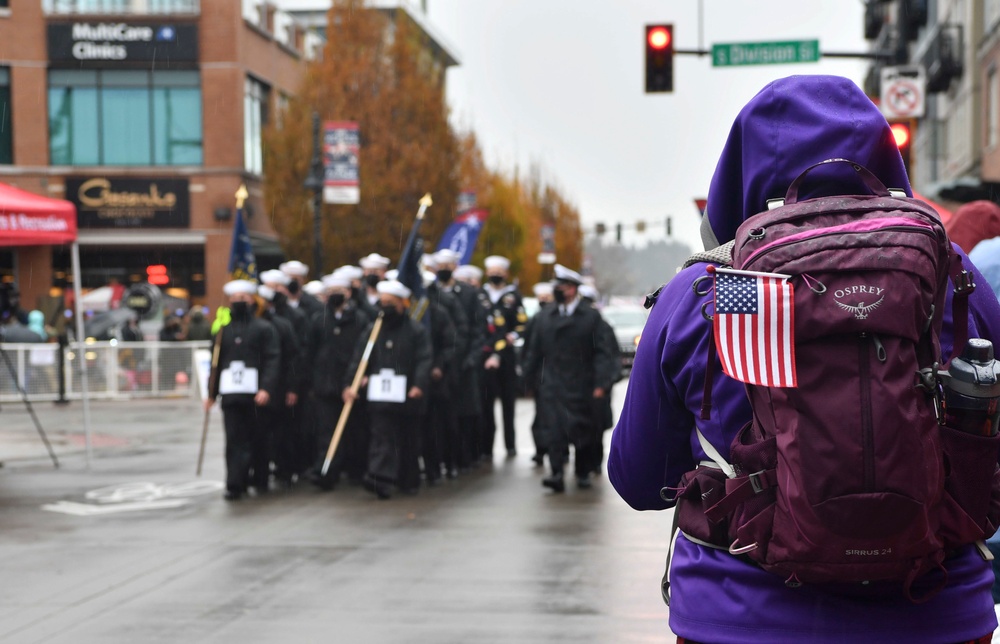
[377, 71]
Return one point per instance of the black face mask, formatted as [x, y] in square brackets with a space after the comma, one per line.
[293, 287]
[336, 300]
[240, 310]
[390, 313]
[444, 275]
[495, 280]
[559, 296]
[280, 299]
[372, 280]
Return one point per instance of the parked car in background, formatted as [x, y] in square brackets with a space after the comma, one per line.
[627, 322]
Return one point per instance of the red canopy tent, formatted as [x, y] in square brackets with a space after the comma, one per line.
[27, 219]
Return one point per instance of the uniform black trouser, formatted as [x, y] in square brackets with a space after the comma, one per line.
[393, 450]
[352, 451]
[470, 432]
[565, 422]
[499, 383]
[246, 440]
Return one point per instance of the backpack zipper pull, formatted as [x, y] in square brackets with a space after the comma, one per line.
[879, 349]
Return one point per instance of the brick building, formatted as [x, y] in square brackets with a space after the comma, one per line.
[147, 114]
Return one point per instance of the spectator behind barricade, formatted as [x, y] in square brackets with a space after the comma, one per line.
[973, 222]
[36, 322]
[172, 330]
[198, 327]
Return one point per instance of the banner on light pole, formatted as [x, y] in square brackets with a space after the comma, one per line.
[341, 145]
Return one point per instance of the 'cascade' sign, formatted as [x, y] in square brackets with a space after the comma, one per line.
[103, 202]
[84, 42]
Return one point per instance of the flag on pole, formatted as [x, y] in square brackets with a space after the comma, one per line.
[754, 327]
[463, 233]
[242, 263]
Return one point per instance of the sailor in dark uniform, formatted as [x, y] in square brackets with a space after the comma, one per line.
[466, 399]
[297, 298]
[575, 369]
[505, 319]
[247, 372]
[543, 293]
[397, 381]
[373, 267]
[446, 324]
[333, 336]
[276, 415]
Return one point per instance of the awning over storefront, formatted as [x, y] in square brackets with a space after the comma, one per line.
[28, 219]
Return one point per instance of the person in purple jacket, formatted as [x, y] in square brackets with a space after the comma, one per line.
[715, 597]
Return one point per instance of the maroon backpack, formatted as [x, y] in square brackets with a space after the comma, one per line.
[848, 478]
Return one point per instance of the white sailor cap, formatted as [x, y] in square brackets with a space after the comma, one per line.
[352, 272]
[589, 292]
[337, 279]
[374, 260]
[468, 271]
[391, 274]
[266, 292]
[496, 262]
[392, 287]
[446, 256]
[542, 288]
[313, 287]
[275, 277]
[427, 260]
[428, 278]
[295, 268]
[564, 274]
[239, 286]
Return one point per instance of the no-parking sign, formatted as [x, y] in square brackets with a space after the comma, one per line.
[904, 90]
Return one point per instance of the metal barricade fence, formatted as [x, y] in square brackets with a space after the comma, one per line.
[115, 370]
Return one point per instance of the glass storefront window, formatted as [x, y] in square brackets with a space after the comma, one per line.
[6, 135]
[117, 117]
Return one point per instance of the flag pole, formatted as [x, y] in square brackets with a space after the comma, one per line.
[213, 375]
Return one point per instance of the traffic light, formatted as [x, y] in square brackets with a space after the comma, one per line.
[659, 58]
[902, 132]
[618, 233]
[670, 227]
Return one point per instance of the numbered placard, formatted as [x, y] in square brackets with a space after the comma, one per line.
[386, 386]
[238, 378]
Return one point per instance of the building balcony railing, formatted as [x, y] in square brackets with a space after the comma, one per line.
[121, 7]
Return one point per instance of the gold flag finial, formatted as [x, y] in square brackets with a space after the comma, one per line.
[241, 196]
[425, 201]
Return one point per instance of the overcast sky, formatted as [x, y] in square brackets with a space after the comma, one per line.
[560, 83]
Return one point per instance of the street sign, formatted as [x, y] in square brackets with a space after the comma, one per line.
[765, 53]
[904, 90]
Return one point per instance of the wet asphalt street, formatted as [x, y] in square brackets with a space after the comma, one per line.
[151, 556]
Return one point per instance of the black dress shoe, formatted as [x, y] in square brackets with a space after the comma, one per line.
[511, 453]
[554, 483]
[232, 495]
[584, 482]
[539, 459]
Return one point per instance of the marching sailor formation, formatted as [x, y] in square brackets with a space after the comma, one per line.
[419, 383]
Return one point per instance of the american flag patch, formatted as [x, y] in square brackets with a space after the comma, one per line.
[754, 327]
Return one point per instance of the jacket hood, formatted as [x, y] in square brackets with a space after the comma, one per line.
[788, 126]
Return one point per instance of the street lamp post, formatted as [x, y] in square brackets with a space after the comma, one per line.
[314, 182]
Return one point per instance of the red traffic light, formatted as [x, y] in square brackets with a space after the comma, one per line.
[659, 38]
[901, 132]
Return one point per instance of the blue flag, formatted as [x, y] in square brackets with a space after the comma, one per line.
[463, 233]
[242, 263]
[409, 266]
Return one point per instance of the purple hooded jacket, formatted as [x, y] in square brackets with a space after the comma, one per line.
[791, 124]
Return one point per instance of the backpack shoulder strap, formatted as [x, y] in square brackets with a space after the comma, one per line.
[722, 255]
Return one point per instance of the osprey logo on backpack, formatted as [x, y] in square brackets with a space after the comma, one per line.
[861, 309]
